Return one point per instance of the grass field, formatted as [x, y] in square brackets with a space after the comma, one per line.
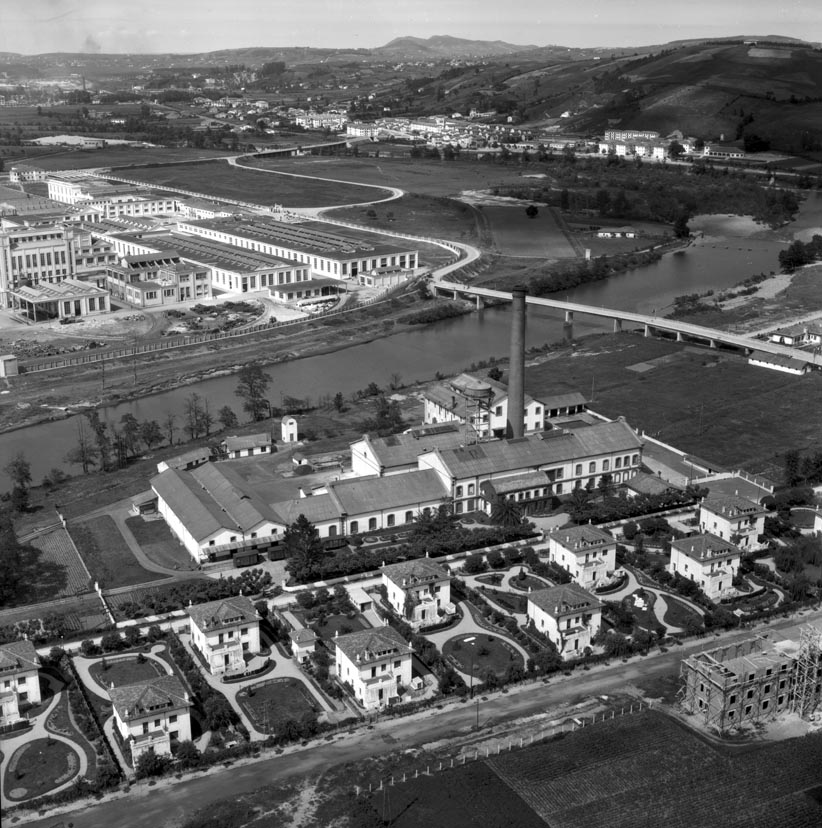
[107, 555]
[517, 235]
[158, 543]
[274, 702]
[341, 623]
[120, 671]
[483, 652]
[423, 176]
[706, 403]
[37, 767]
[221, 180]
[641, 771]
[117, 156]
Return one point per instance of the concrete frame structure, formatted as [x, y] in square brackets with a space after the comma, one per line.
[223, 631]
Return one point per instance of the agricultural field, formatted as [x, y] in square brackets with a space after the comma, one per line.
[107, 555]
[58, 552]
[515, 234]
[624, 773]
[271, 703]
[223, 181]
[114, 156]
[416, 175]
[676, 401]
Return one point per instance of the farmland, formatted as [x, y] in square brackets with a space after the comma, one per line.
[515, 234]
[107, 555]
[57, 551]
[625, 772]
[220, 180]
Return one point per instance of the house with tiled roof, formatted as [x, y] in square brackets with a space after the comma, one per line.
[419, 591]
[19, 679]
[247, 445]
[375, 664]
[708, 560]
[733, 518]
[587, 552]
[568, 615]
[224, 631]
[303, 643]
[152, 715]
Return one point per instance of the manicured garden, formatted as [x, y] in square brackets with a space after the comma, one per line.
[510, 602]
[107, 555]
[270, 704]
[679, 614]
[481, 653]
[38, 767]
[120, 671]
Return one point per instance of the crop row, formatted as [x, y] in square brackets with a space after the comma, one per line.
[56, 548]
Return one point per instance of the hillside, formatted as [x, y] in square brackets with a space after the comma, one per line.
[445, 46]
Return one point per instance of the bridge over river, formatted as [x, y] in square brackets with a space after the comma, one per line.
[649, 324]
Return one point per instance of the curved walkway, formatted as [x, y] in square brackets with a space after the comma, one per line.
[468, 626]
[40, 731]
[660, 604]
[83, 666]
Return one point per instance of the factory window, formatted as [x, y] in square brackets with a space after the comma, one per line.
[578, 469]
[592, 467]
[390, 520]
[354, 526]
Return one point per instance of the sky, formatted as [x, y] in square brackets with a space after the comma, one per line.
[184, 26]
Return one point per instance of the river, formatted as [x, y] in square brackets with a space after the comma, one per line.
[723, 256]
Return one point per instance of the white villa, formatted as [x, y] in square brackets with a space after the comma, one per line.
[733, 518]
[223, 631]
[587, 552]
[375, 663]
[419, 591]
[152, 714]
[568, 615]
[710, 561]
[19, 679]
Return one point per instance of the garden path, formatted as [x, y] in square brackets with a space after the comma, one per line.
[83, 666]
[39, 731]
[660, 605]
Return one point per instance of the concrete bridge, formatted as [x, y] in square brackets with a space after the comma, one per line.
[649, 324]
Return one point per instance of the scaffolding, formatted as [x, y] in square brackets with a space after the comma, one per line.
[807, 672]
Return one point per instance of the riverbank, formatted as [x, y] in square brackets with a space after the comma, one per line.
[30, 399]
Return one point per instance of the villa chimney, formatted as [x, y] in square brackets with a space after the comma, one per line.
[516, 367]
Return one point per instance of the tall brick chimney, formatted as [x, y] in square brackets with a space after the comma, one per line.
[516, 367]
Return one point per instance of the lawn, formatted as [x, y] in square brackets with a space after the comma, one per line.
[120, 671]
[340, 623]
[645, 618]
[218, 179]
[515, 234]
[158, 543]
[37, 767]
[483, 652]
[270, 703]
[60, 721]
[529, 582]
[679, 614]
[107, 555]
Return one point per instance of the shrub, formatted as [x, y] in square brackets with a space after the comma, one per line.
[151, 764]
[112, 642]
[474, 564]
[89, 649]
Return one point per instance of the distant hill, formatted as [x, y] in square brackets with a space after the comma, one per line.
[444, 46]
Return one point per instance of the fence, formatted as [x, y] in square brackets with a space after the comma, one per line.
[505, 746]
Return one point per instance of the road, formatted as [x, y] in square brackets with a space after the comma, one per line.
[167, 804]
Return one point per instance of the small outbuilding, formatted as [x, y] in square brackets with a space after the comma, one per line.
[290, 432]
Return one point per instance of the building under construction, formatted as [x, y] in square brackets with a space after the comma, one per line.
[753, 680]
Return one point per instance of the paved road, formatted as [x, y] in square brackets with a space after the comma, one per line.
[154, 807]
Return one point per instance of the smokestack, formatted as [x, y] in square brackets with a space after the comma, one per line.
[516, 367]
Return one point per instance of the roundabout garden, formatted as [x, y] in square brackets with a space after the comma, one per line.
[38, 767]
[482, 653]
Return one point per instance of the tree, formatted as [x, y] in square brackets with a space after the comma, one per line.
[564, 200]
[130, 430]
[791, 468]
[150, 433]
[101, 438]
[11, 574]
[494, 373]
[188, 754]
[532, 211]
[197, 418]
[169, 424]
[19, 499]
[505, 511]
[252, 387]
[219, 714]
[681, 229]
[304, 549]
[151, 764]
[227, 417]
[675, 149]
[339, 401]
[19, 470]
[84, 454]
